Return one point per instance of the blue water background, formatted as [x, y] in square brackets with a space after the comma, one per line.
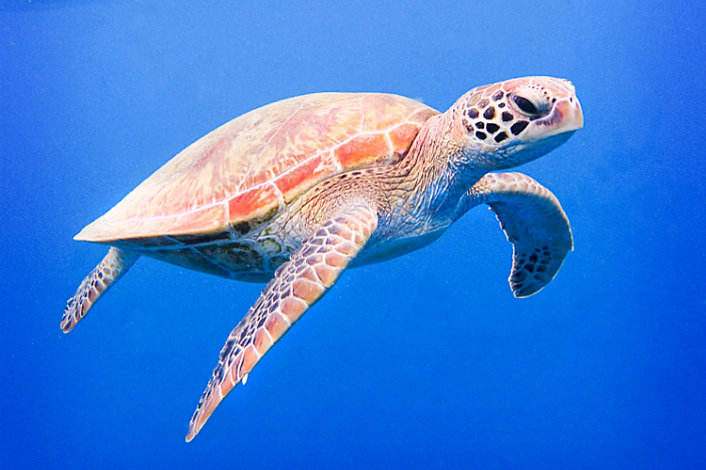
[426, 361]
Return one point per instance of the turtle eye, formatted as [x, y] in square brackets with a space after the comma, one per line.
[525, 105]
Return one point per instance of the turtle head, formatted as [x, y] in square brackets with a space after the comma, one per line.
[513, 122]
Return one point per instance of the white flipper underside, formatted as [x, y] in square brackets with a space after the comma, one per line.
[535, 224]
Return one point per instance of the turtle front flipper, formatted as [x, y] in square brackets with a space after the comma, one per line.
[296, 286]
[535, 224]
[109, 270]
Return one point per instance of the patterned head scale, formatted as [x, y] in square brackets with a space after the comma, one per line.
[513, 122]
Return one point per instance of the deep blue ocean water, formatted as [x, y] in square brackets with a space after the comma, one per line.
[426, 361]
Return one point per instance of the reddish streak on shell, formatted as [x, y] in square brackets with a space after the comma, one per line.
[293, 182]
[243, 169]
[191, 222]
[250, 201]
[371, 145]
[403, 135]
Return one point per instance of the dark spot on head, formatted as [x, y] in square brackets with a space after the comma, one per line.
[480, 124]
[481, 135]
[492, 127]
[533, 257]
[501, 105]
[500, 137]
[489, 112]
[473, 113]
[518, 127]
[497, 95]
[483, 103]
[507, 116]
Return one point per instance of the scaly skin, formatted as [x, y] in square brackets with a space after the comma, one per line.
[108, 271]
[391, 207]
[533, 221]
[297, 285]
[422, 195]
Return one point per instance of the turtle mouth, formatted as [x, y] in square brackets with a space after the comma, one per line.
[542, 135]
[565, 117]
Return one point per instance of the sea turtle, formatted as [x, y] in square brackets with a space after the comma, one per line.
[294, 191]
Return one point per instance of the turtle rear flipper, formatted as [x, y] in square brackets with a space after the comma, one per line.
[109, 270]
[535, 224]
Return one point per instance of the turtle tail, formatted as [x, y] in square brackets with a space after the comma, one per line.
[109, 270]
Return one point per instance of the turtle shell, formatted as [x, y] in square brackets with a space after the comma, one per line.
[253, 166]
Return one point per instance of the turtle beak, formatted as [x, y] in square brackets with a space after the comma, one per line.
[571, 114]
[567, 113]
[565, 117]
